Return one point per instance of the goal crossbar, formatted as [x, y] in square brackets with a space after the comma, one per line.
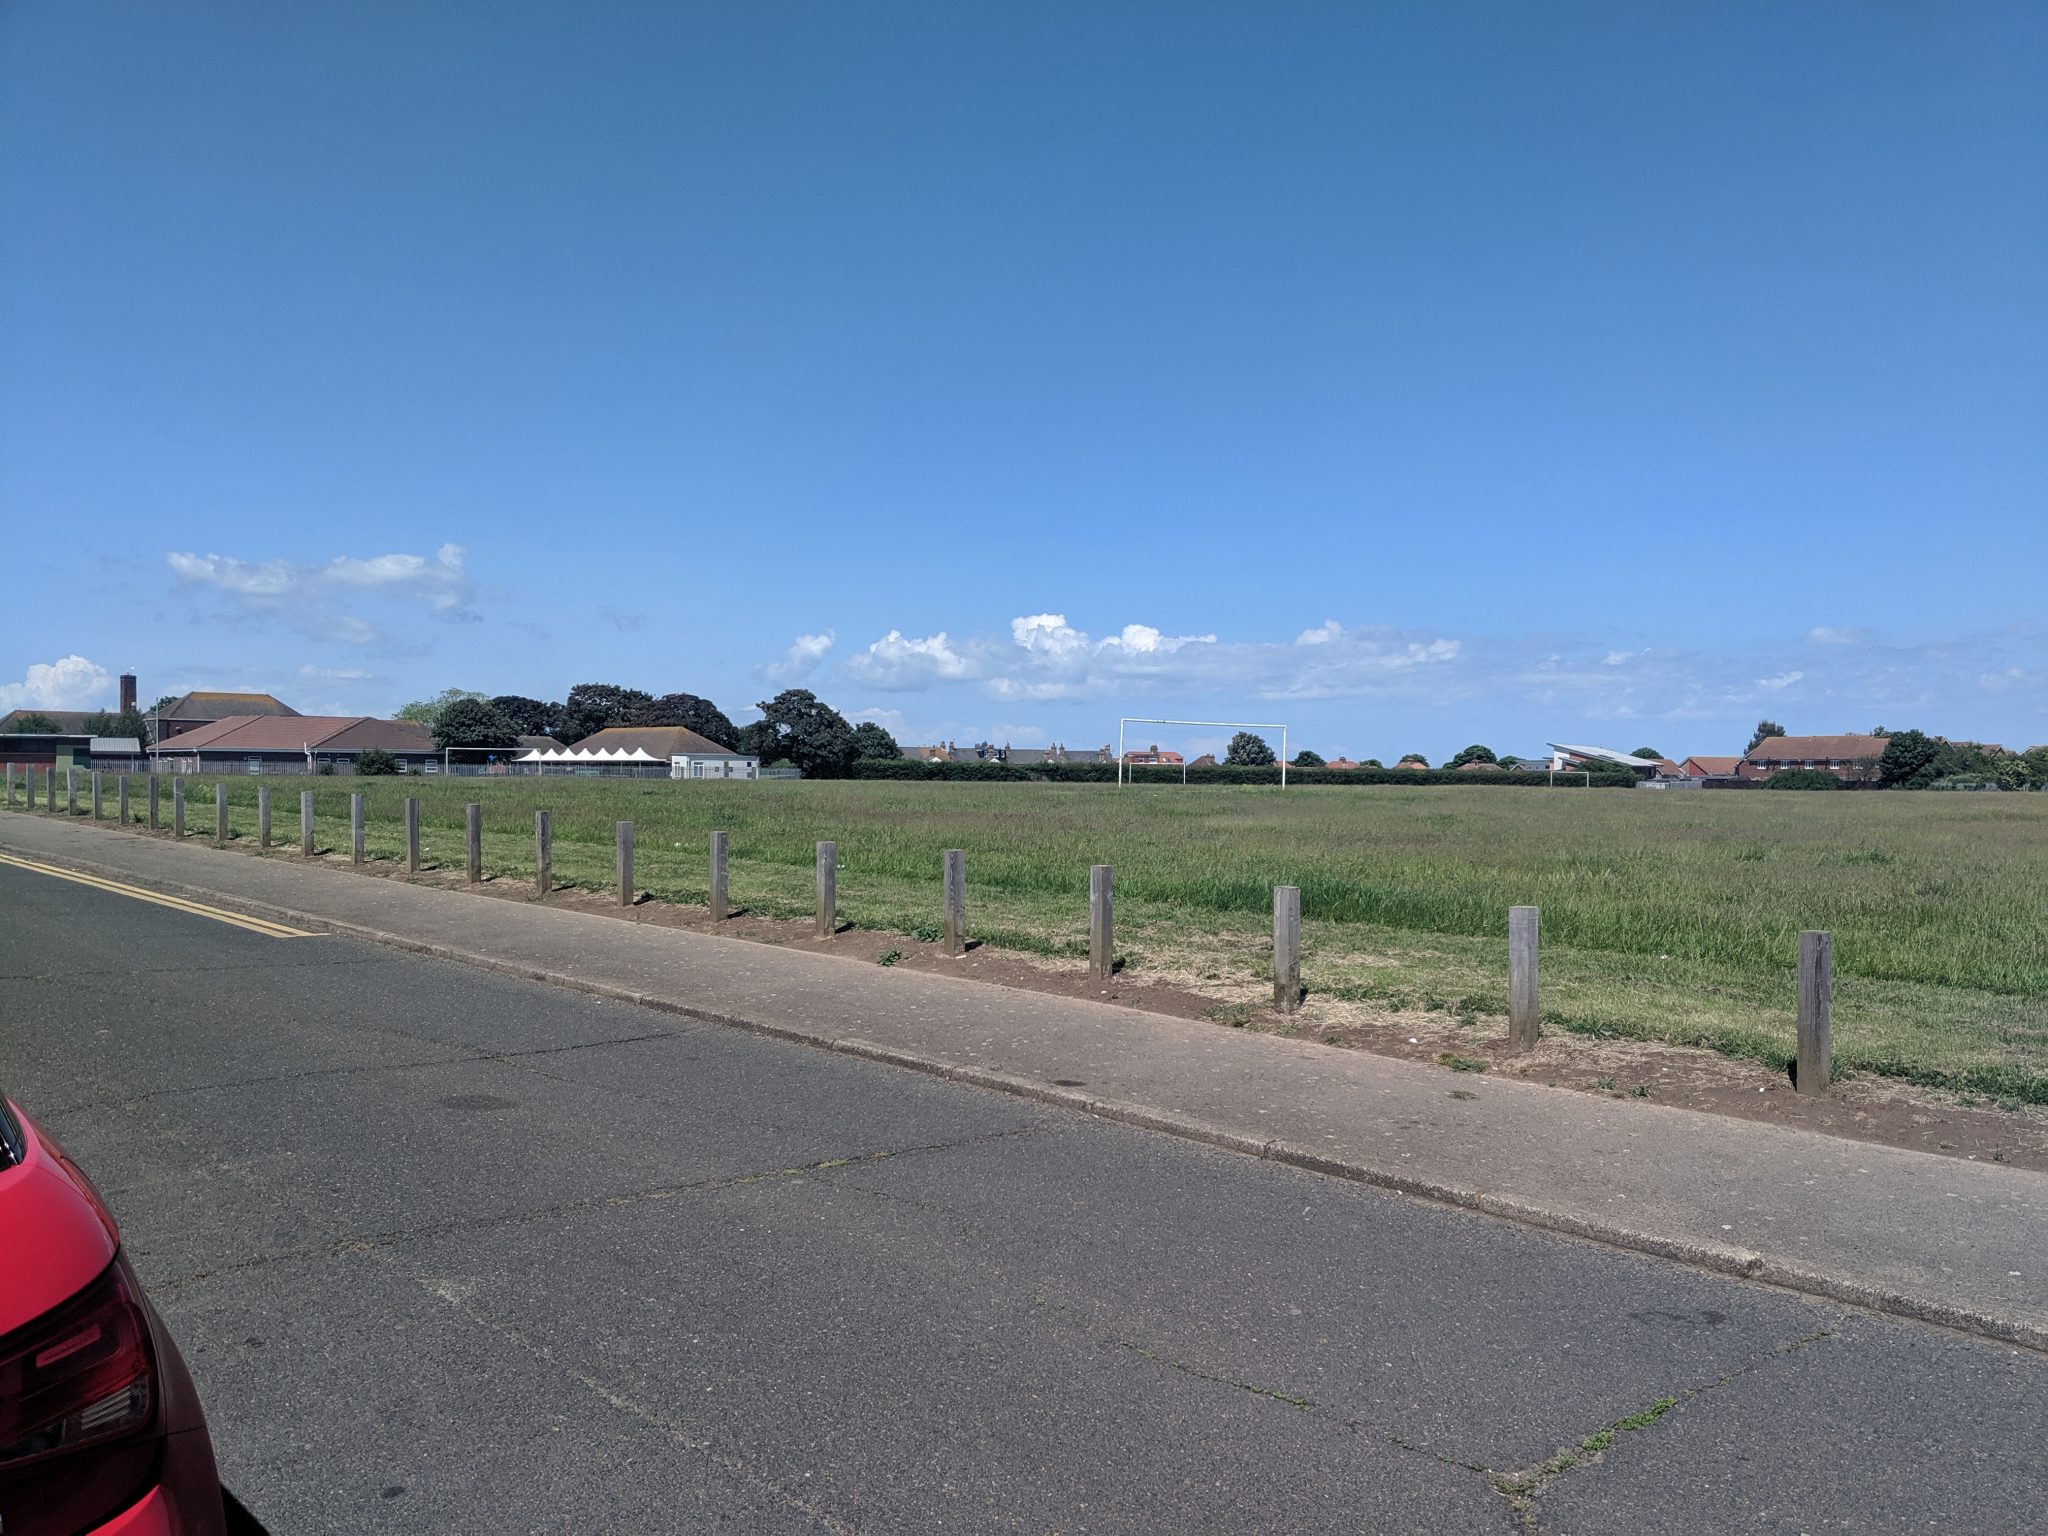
[1234, 725]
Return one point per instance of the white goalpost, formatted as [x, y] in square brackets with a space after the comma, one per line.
[1231, 725]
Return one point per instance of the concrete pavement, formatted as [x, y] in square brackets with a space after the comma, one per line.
[452, 1251]
[1918, 1235]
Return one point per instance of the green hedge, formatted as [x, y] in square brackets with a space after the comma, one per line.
[1105, 773]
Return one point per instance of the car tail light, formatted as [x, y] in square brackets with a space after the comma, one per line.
[77, 1399]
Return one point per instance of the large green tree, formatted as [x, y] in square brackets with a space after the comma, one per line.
[688, 711]
[593, 707]
[128, 722]
[1307, 759]
[534, 717]
[473, 723]
[428, 712]
[1247, 750]
[1473, 754]
[1647, 754]
[871, 742]
[1912, 760]
[1764, 728]
[796, 726]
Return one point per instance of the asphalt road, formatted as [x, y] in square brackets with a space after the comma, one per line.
[447, 1252]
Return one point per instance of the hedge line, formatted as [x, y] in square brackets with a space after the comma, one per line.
[1105, 773]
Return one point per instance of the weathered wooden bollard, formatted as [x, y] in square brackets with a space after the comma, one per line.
[1101, 922]
[262, 815]
[1815, 1068]
[955, 868]
[355, 829]
[121, 797]
[305, 823]
[412, 834]
[828, 889]
[10, 786]
[624, 833]
[220, 815]
[473, 830]
[718, 887]
[543, 853]
[1523, 1011]
[1286, 947]
[155, 821]
[70, 792]
[96, 794]
[178, 806]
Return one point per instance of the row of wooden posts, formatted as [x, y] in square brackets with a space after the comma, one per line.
[1816, 949]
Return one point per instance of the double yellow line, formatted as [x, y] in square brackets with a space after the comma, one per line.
[260, 925]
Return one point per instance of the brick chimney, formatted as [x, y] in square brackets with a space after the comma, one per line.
[127, 690]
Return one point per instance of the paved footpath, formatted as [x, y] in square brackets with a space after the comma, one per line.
[1935, 1238]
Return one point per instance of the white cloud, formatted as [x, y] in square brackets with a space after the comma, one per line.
[1781, 681]
[334, 674]
[314, 597]
[798, 662]
[1017, 735]
[71, 682]
[897, 662]
[890, 720]
[1827, 634]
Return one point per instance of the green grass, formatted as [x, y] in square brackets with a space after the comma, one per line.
[1670, 916]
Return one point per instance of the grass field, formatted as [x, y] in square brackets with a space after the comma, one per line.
[1665, 916]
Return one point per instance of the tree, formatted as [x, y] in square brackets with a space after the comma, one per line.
[1802, 778]
[375, 762]
[534, 717]
[688, 711]
[1912, 760]
[428, 712]
[593, 707]
[473, 723]
[1372, 762]
[870, 741]
[1472, 754]
[1764, 728]
[32, 724]
[1413, 757]
[2036, 762]
[129, 723]
[1649, 754]
[811, 734]
[1307, 759]
[1247, 751]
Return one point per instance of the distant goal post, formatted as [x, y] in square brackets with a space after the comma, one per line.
[1124, 722]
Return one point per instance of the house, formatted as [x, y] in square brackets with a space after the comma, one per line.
[688, 755]
[1412, 765]
[1154, 758]
[1697, 767]
[183, 715]
[295, 743]
[1206, 760]
[1850, 758]
[1340, 762]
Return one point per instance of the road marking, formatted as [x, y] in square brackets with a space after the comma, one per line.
[260, 925]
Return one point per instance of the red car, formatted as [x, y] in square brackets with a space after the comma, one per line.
[100, 1428]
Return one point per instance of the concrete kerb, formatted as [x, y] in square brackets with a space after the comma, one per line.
[1736, 1263]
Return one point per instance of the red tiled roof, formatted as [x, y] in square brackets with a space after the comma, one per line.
[1799, 749]
[298, 733]
[662, 741]
[1709, 767]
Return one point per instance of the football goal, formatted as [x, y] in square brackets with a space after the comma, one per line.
[1125, 722]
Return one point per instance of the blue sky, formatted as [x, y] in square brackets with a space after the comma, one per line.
[1414, 374]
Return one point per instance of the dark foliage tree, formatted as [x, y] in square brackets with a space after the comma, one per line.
[1472, 754]
[32, 724]
[1647, 754]
[598, 706]
[1912, 760]
[473, 723]
[1414, 757]
[1372, 762]
[375, 763]
[1307, 759]
[1248, 751]
[427, 711]
[129, 722]
[1802, 778]
[871, 741]
[811, 734]
[533, 717]
[1764, 728]
[688, 711]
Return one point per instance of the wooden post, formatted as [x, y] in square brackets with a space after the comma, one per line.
[262, 815]
[473, 826]
[1101, 922]
[95, 794]
[220, 815]
[1816, 1064]
[412, 834]
[1287, 947]
[828, 889]
[955, 872]
[178, 806]
[718, 903]
[355, 828]
[543, 853]
[70, 792]
[306, 823]
[10, 786]
[625, 863]
[121, 797]
[1524, 928]
[155, 822]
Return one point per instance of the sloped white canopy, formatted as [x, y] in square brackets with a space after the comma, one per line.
[601, 755]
